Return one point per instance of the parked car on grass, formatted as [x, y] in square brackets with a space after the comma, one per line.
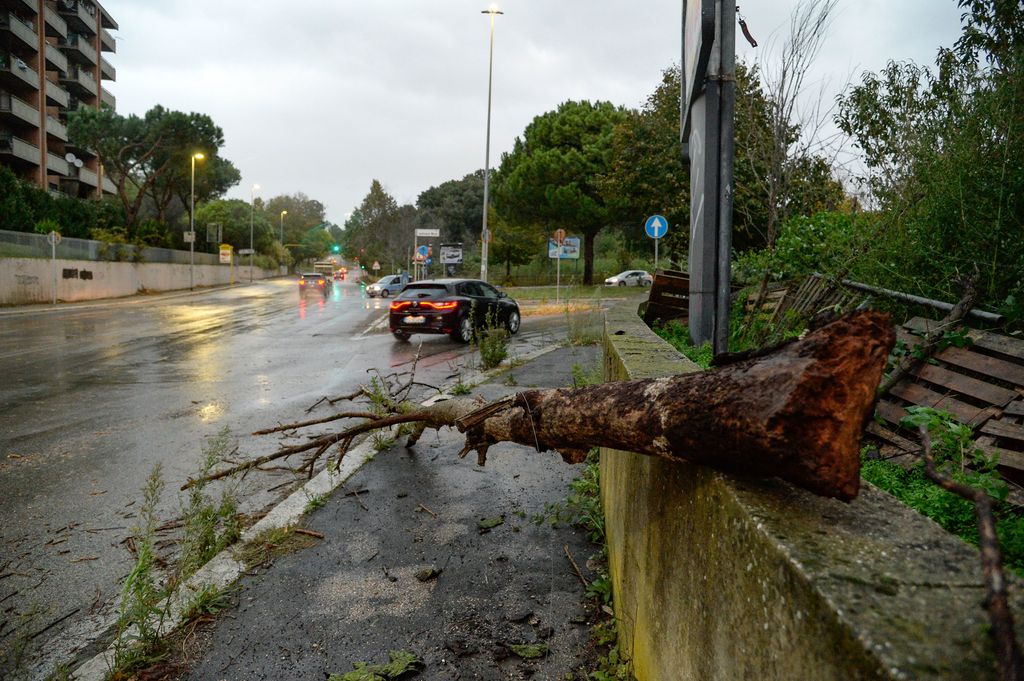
[390, 285]
[456, 307]
[314, 281]
[630, 278]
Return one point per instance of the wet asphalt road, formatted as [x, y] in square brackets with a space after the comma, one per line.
[93, 397]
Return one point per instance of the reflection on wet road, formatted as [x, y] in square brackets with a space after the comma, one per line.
[93, 397]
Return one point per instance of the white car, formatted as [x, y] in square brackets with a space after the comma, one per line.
[630, 278]
[390, 285]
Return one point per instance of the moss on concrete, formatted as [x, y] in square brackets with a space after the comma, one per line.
[718, 577]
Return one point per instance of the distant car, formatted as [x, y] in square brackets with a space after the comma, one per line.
[314, 281]
[390, 285]
[339, 275]
[453, 306]
[630, 278]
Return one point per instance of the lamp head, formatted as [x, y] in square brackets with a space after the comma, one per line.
[198, 156]
[283, 213]
[492, 10]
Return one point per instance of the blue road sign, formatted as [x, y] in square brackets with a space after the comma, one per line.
[656, 226]
[423, 250]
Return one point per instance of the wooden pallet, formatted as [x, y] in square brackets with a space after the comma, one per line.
[669, 297]
[981, 386]
[815, 295]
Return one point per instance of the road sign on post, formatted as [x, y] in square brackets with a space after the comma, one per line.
[656, 227]
[54, 239]
[225, 254]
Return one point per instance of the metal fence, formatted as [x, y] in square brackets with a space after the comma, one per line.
[30, 245]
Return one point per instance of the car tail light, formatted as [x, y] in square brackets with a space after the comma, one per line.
[320, 282]
[449, 305]
[399, 304]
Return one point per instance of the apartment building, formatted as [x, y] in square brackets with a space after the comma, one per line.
[52, 62]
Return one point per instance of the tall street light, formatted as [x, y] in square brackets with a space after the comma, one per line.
[485, 236]
[283, 213]
[198, 156]
[252, 214]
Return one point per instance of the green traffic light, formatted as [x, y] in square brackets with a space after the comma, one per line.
[335, 248]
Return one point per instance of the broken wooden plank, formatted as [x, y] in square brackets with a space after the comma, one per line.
[965, 413]
[1004, 429]
[992, 367]
[1004, 345]
[986, 392]
[1015, 408]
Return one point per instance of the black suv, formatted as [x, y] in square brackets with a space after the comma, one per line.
[453, 306]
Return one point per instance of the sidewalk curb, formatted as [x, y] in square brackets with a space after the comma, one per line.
[223, 570]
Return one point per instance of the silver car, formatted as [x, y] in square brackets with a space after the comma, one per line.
[630, 278]
[390, 285]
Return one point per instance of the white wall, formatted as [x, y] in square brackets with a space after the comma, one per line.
[31, 280]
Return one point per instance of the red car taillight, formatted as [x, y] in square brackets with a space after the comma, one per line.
[399, 304]
[449, 305]
[320, 282]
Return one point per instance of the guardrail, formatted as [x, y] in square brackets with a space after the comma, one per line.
[30, 245]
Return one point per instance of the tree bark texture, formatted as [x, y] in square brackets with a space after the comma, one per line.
[797, 413]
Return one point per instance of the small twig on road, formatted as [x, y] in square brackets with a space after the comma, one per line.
[355, 494]
[428, 510]
[575, 567]
[309, 533]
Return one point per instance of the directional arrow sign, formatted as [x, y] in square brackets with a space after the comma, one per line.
[656, 226]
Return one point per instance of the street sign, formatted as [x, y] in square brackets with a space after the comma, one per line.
[225, 254]
[569, 249]
[428, 232]
[246, 251]
[656, 226]
[190, 237]
[53, 238]
[376, 266]
[451, 254]
[559, 235]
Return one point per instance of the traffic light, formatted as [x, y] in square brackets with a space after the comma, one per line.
[336, 248]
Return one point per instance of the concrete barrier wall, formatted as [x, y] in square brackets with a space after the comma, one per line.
[721, 578]
[31, 280]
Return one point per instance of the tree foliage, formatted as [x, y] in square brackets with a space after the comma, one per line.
[944, 150]
[23, 207]
[455, 207]
[234, 215]
[380, 230]
[149, 156]
[551, 178]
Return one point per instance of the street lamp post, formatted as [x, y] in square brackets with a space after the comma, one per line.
[252, 215]
[484, 234]
[198, 156]
[283, 213]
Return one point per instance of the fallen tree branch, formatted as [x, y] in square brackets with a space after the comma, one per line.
[1008, 657]
[796, 413]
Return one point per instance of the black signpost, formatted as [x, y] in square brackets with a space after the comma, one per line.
[706, 133]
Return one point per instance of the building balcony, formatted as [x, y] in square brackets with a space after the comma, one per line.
[107, 21]
[108, 186]
[15, 149]
[56, 164]
[16, 73]
[83, 175]
[107, 70]
[55, 59]
[56, 129]
[56, 95]
[107, 42]
[11, 25]
[25, 5]
[78, 81]
[56, 27]
[16, 111]
[78, 49]
[107, 98]
[78, 16]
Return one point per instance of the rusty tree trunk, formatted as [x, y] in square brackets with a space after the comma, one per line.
[797, 413]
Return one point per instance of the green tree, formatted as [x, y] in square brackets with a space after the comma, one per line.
[233, 215]
[143, 153]
[456, 207]
[379, 229]
[945, 157]
[552, 175]
[514, 243]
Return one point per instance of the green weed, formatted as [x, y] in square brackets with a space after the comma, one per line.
[492, 343]
[207, 601]
[313, 502]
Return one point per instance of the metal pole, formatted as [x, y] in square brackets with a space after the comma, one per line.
[656, 255]
[252, 215]
[558, 274]
[53, 262]
[484, 234]
[192, 230]
[727, 92]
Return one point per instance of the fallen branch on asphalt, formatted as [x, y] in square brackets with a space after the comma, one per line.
[796, 412]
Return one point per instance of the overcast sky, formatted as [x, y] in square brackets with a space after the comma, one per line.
[323, 96]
